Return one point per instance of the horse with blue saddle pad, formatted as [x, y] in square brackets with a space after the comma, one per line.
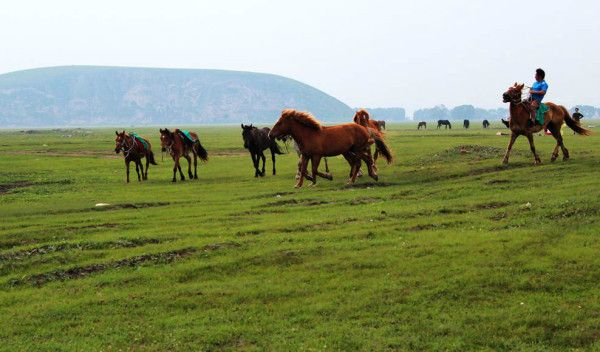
[134, 148]
[179, 143]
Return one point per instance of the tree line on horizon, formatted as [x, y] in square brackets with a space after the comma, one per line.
[470, 112]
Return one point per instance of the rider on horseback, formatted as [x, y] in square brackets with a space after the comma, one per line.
[537, 92]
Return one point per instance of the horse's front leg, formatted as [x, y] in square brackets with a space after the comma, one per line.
[175, 166]
[273, 159]
[303, 164]
[366, 157]
[513, 137]
[536, 157]
[315, 160]
[264, 161]
[255, 163]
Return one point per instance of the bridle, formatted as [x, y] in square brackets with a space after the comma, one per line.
[127, 149]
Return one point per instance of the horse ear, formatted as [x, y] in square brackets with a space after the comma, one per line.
[251, 126]
[241, 124]
[520, 86]
[515, 84]
[117, 133]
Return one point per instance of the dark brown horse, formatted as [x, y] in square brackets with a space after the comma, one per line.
[380, 124]
[257, 140]
[422, 124]
[520, 123]
[135, 148]
[316, 141]
[178, 144]
[486, 124]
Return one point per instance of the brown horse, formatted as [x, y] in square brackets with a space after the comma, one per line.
[520, 123]
[316, 141]
[363, 118]
[179, 145]
[134, 150]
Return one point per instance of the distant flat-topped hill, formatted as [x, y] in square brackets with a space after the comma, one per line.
[94, 95]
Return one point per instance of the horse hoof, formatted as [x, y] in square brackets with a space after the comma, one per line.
[566, 158]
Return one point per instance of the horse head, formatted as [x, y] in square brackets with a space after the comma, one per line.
[362, 118]
[247, 134]
[120, 141]
[513, 94]
[291, 119]
[166, 139]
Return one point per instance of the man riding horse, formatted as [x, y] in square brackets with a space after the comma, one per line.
[537, 93]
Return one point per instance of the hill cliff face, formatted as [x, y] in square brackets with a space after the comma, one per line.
[91, 95]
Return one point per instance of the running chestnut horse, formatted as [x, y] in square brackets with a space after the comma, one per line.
[363, 118]
[134, 148]
[316, 141]
[178, 144]
[257, 141]
[520, 123]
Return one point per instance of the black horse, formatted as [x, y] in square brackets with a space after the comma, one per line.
[445, 123]
[486, 124]
[422, 124]
[256, 141]
[466, 124]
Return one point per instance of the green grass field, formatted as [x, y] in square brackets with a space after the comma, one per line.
[443, 253]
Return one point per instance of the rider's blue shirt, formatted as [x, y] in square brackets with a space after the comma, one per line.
[539, 86]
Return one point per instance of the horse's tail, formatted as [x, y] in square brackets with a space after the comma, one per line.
[150, 157]
[200, 151]
[382, 147]
[574, 125]
[275, 147]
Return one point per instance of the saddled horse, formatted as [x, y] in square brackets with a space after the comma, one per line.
[316, 141]
[445, 123]
[422, 124]
[520, 123]
[486, 124]
[135, 148]
[257, 140]
[466, 124]
[178, 144]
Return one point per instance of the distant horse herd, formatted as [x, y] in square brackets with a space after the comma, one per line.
[314, 142]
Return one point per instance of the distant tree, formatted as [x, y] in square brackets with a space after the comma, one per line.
[438, 112]
[462, 112]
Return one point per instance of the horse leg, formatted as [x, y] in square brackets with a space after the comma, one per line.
[375, 155]
[127, 169]
[559, 143]
[189, 160]
[315, 160]
[255, 163]
[552, 129]
[147, 165]
[180, 172]
[536, 157]
[142, 169]
[366, 157]
[513, 137]
[273, 159]
[303, 164]
[264, 160]
[174, 170]
[326, 166]
[195, 166]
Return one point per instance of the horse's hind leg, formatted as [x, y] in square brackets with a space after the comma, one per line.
[147, 165]
[536, 157]
[127, 169]
[189, 161]
[366, 157]
[195, 166]
[137, 169]
[142, 169]
[273, 159]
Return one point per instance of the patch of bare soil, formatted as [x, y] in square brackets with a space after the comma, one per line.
[132, 206]
[298, 202]
[491, 205]
[61, 247]
[87, 270]
[217, 246]
[369, 185]
[7, 187]
[364, 200]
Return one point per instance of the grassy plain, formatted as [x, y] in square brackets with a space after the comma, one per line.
[449, 251]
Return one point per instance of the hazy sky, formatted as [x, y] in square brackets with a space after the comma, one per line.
[366, 53]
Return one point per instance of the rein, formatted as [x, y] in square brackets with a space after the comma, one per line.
[127, 152]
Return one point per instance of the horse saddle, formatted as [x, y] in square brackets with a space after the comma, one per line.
[141, 142]
[187, 137]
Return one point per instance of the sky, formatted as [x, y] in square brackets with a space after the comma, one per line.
[366, 53]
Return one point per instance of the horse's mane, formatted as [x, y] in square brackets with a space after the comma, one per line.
[302, 117]
[362, 117]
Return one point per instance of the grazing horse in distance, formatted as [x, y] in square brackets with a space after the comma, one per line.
[422, 124]
[520, 123]
[179, 144]
[134, 148]
[381, 124]
[316, 141]
[257, 141]
[486, 124]
[466, 124]
[445, 123]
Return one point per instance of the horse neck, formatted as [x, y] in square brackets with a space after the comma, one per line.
[517, 110]
[300, 133]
